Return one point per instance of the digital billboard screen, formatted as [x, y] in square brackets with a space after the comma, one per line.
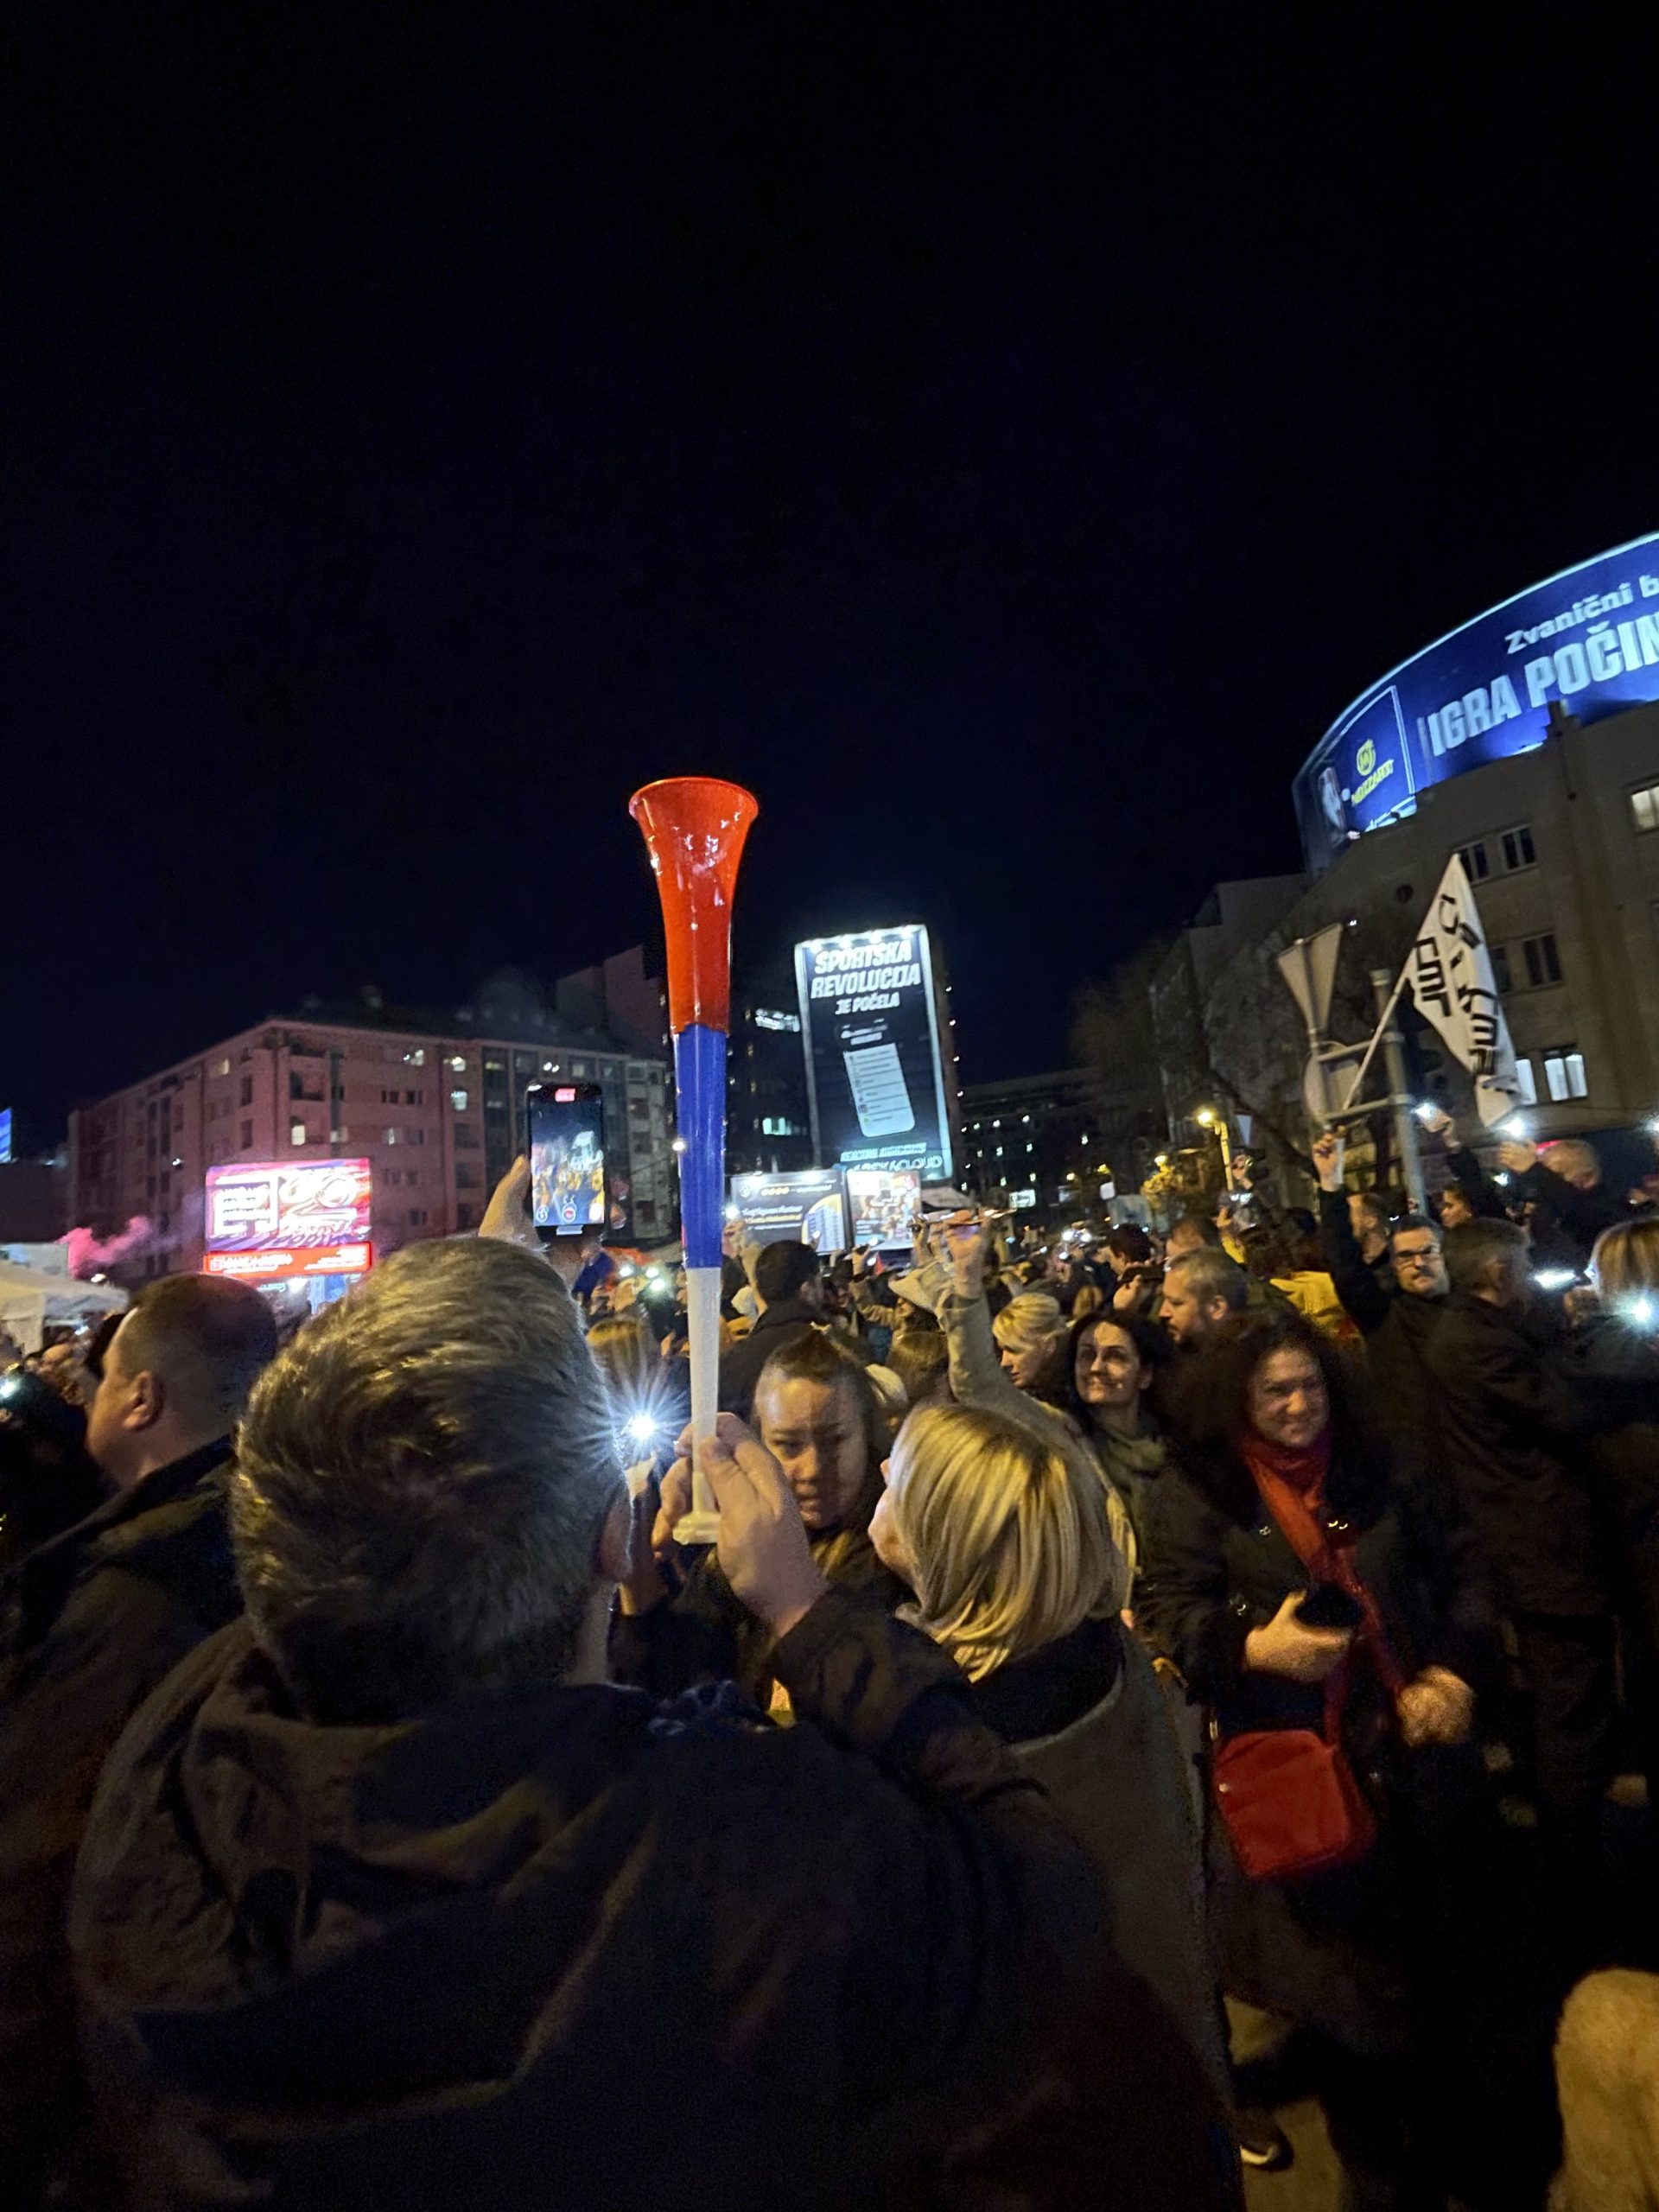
[268, 1219]
[1587, 639]
[875, 1077]
[5, 1132]
[884, 1205]
[806, 1207]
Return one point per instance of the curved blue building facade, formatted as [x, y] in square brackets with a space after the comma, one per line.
[1588, 638]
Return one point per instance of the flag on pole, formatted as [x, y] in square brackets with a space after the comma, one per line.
[1450, 972]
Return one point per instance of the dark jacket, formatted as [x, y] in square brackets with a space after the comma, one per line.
[93, 1622]
[704, 1633]
[1397, 1325]
[1334, 1953]
[1222, 1567]
[1086, 1717]
[1577, 1217]
[559, 1947]
[1485, 1200]
[1617, 1369]
[739, 1368]
[1513, 1435]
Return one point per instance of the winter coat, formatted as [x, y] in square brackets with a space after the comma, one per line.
[739, 1368]
[1341, 1953]
[93, 1621]
[1085, 1715]
[1397, 1325]
[1513, 1434]
[564, 1946]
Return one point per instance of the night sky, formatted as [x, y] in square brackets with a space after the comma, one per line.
[1004, 448]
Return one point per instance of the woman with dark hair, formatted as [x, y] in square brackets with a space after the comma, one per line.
[1309, 1591]
[1113, 1361]
[678, 1621]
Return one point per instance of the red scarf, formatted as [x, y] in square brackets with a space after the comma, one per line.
[1290, 1483]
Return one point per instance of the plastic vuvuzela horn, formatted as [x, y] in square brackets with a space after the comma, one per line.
[694, 829]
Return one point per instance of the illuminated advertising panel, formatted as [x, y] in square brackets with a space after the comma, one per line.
[5, 1132]
[268, 1220]
[883, 1203]
[1588, 638]
[875, 1079]
[806, 1207]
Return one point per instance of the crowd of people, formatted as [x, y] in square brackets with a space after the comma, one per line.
[393, 1809]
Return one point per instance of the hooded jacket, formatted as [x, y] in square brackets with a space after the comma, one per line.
[563, 1946]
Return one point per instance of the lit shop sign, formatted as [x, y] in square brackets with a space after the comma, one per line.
[271, 1219]
[764, 1017]
[874, 1076]
[279, 1266]
[1588, 638]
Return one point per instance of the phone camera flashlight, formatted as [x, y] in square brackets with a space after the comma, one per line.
[642, 1428]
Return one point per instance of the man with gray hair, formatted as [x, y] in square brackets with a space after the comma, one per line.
[90, 1624]
[391, 1898]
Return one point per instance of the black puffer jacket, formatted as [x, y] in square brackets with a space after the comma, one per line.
[562, 1947]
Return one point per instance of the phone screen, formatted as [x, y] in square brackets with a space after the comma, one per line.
[567, 1157]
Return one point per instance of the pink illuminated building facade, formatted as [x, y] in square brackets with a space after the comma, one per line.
[438, 1116]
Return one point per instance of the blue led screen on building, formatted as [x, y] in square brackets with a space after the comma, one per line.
[1588, 638]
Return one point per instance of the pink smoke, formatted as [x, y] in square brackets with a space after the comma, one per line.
[89, 1254]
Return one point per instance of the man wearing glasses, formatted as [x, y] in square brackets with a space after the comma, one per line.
[1396, 1325]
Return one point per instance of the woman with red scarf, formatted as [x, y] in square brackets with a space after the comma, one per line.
[1284, 1500]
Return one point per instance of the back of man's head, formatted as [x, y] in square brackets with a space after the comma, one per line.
[783, 1271]
[177, 1372]
[421, 1486]
[1193, 1232]
[1574, 1162]
[1487, 1256]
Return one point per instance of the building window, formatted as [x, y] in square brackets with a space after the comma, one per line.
[389, 1136]
[1518, 847]
[458, 1101]
[414, 1098]
[247, 1095]
[418, 1217]
[1543, 961]
[466, 1137]
[465, 1218]
[297, 1133]
[246, 1138]
[221, 1067]
[416, 1058]
[466, 1177]
[1475, 863]
[1644, 807]
[1564, 1076]
[458, 1062]
[1501, 975]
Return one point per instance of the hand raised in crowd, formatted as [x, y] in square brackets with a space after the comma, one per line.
[1137, 1291]
[964, 1239]
[1328, 1152]
[506, 1217]
[1517, 1155]
[645, 1585]
[1436, 1708]
[1290, 1646]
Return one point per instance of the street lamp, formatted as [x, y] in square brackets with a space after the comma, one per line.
[1207, 1118]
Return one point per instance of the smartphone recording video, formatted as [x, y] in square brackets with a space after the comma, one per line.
[566, 1124]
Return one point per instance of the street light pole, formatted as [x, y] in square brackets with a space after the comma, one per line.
[1394, 1059]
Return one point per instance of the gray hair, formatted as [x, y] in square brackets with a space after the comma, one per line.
[422, 1479]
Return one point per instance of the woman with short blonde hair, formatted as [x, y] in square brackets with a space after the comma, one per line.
[1010, 1549]
[1030, 1334]
[1002, 1527]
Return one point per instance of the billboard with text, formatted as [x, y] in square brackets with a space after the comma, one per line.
[875, 1074]
[268, 1219]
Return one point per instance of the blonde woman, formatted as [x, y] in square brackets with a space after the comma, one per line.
[1003, 1536]
[1030, 1333]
